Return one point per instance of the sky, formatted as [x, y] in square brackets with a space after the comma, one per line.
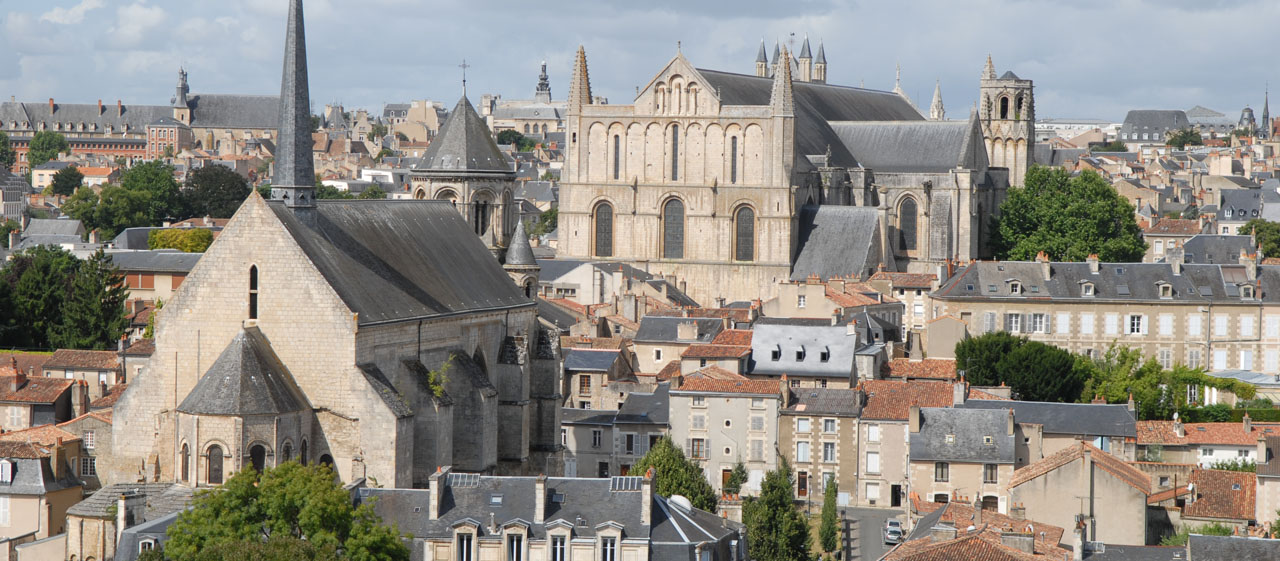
[1088, 58]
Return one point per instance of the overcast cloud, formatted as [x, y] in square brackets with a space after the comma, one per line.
[1089, 58]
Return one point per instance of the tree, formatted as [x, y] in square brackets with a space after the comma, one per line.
[265, 191]
[66, 181]
[677, 475]
[1181, 138]
[1069, 218]
[776, 531]
[376, 131]
[6, 226]
[150, 331]
[45, 146]
[1157, 393]
[93, 316]
[215, 191]
[1113, 146]
[315, 123]
[111, 211]
[401, 137]
[373, 192]
[8, 156]
[977, 356]
[40, 278]
[289, 502]
[1033, 370]
[1235, 465]
[737, 478]
[828, 532]
[330, 192]
[546, 222]
[383, 153]
[190, 240]
[1267, 233]
[164, 195]
[1213, 529]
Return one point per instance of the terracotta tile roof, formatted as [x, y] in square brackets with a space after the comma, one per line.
[44, 435]
[891, 400]
[1271, 260]
[22, 451]
[1222, 434]
[1229, 495]
[719, 380]
[577, 342]
[853, 298]
[83, 360]
[143, 316]
[975, 546]
[715, 351]
[104, 416]
[96, 171]
[979, 394]
[669, 371]
[906, 280]
[1174, 227]
[141, 347]
[929, 368]
[741, 315]
[733, 337]
[960, 514]
[200, 222]
[36, 389]
[1111, 464]
[569, 305]
[1168, 495]
[109, 400]
[22, 362]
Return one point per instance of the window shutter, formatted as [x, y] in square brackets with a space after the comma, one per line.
[1048, 323]
[1005, 325]
[1144, 323]
[1025, 324]
[688, 447]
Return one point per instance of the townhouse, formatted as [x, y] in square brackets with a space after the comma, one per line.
[818, 434]
[1084, 484]
[723, 420]
[1044, 428]
[883, 436]
[962, 452]
[1203, 444]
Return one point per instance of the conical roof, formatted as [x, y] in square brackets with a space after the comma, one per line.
[520, 253]
[822, 54]
[804, 49]
[294, 167]
[464, 144]
[761, 56]
[247, 379]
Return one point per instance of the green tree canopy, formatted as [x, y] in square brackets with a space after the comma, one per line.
[164, 196]
[8, 225]
[330, 192]
[93, 315]
[1035, 371]
[66, 181]
[111, 211]
[1158, 393]
[373, 192]
[546, 222]
[520, 141]
[1069, 218]
[677, 475]
[8, 156]
[1113, 146]
[376, 131]
[1182, 138]
[215, 191]
[39, 280]
[737, 478]
[829, 531]
[288, 502]
[1267, 233]
[45, 146]
[776, 531]
[190, 240]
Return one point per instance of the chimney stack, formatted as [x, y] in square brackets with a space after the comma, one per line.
[99, 107]
[1025, 543]
[646, 496]
[1011, 423]
[51, 106]
[1094, 264]
[977, 512]
[119, 109]
[94, 236]
[1046, 270]
[435, 488]
[540, 496]
[15, 237]
[1248, 426]
[915, 418]
[19, 380]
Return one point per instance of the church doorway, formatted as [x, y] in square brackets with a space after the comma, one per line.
[327, 460]
[214, 477]
[258, 457]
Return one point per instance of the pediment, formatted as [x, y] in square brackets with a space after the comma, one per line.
[678, 89]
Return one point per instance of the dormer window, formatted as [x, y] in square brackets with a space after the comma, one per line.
[1086, 289]
[1015, 287]
[1166, 290]
[6, 471]
[825, 355]
[800, 354]
[1246, 292]
[775, 354]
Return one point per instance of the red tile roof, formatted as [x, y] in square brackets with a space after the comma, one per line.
[979, 394]
[1174, 227]
[906, 280]
[856, 295]
[715, 351]
[36, 389]
[141, 347]
[891, 400]
[1111, 464]
[960, 514]
[669, 371]
[929, 368]
[109, 400]
[739, 337]
[1228, 495]
[22, 451]
[1168, 495]
[22, 362]
[1222, 434]
[576, 342]
[719, 380]
[104, 416]
[83, 360]
[44, 435]
[569, 305]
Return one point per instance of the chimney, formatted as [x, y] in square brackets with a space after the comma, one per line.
[55, 458]
[1011, 424]
[687, 330]
[977, 511]
[19, 380]
[941, 533]
[1018, 511]
[1248, 426]
[1175, 258]
[646, 497]
[79, 398]
[1025, 543]
[435, 486]
[51, 106]
[1262, 451]
[1094, 266]
[836, 284]
[540, 498]
[1250, 263]
[99, 107]
[1131, 406]
[15, 237]
[119, 109]
[784, 391]
[914, 418]
[1046, 270]
[93, 236]
[1178, 430]
[958, 392]
[630, 310]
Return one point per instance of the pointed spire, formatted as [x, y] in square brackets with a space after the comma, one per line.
[295, 177]
[989, 71]
[782, 98]
[804, 48]
[777, 53]
[936, 111]
[760, 56]
[1266, 112]
[822, 54]
[180, 94]
[580, 86]
[897, 82]
[520, 252]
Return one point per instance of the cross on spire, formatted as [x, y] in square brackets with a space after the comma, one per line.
[464, 66]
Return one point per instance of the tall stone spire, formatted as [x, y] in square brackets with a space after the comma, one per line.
[543, 93]
[781, 98]
[295, 175]
[989, 71]
[760, 55]
[820, 65]
[777, 57]
[1266, 112]
[936, 111]
[580, 85]
[804, 48]
[805, 62]
[762, 61]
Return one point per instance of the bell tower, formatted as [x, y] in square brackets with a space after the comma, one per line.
[1006, 109]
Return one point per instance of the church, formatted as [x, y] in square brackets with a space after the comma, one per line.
[736, 182]
[381, 337]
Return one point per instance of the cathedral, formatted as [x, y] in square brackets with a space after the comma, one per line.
[380, 337]
[735, 182]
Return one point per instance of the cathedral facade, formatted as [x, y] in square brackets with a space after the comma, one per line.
[735, 182]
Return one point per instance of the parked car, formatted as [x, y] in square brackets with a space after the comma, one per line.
[893, 533]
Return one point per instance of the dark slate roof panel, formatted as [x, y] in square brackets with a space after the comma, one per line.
[246, 379]
[155, 261]
[234, 111]
[53, 227]
[1086, 419]
[836, 241]
[663, 329]
[1209, 249]
[959, 435]
[1231, 548]
[801, 350]
[520, 252]
[398, 260]
[649, 408]
[1140, 278]
[824, 401]
[464, 143]
[590, 360]
[912, 146]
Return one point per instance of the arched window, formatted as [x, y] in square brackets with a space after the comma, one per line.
[215, 465]
[675, 152]
[907, 224]
[528, 289]
[604, 230]
[733, 159]
[673, 229]
[526, 128]
[186, 463]
[544, 129]
[302, 456]
[258, 457]
[253, 292]
[286, 452]
[617, 149]
[1004, 107]
[744, 243]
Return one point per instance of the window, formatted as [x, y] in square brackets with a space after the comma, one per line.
[1015, 287]
[744, 246]
[584, 384]
[4, 511]
[604, 230]
[675, 152]
[1166, 324]
[515, 544]
[1246, 292]
[1086, 323]
[1013, 323]
[1193, 326]
[795, 382]
[1193, 358]
[873, 433]
[873, 493]
[1166, 291]
[1038, 323]
[828, 452]
[1246, 360]
[1220, 326]
[564, 436]
[775, 355]
[733, 159]
[941, 471]
[907, 224]
[698, 448]
[558, 548]
[699, 401]
[802, 424]
[824, 356]
[1137, 324]
[829, 425]
[757, 422]
[6, 471]
[1206, 452]
[214, 475]
[673, 229]
[1159, 246]
[253, 292]
[1273, 326]
[802, 484]
[629, 443]
[87, 438]
[1246, 326]
[1004, 108]
[1219, 359]
[464, 546]
[757, 450]
[1270, 361]
[988, 322]
[1165, 358]
[657, 355]
[1064, 322]
[186, 463]
[596, 437]
[1111, 324]
[1087, 289]
[88, 466]
[757, 402]
[989, 473]
[146, 545]
[800, 301]
[802, 451]
[617, 150]
[917, 309]
[873, 462]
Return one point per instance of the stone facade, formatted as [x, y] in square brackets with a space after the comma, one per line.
[1008, 114]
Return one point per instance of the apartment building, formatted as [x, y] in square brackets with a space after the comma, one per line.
[968, 452]
[726, 419]
[818, 434]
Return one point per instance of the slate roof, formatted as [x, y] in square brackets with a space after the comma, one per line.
[660, 329]
[1209, 249]
[824, 401]
[1140, 121]
[464, 144]
[561, 318]
[600, 417]
[231, 111]
[83, 360]
[1085, 419]
[646, 408]
[1198, 282]
[162, 499]
[913, 146]
[1270, 466]
[372, 254]
[157, 261]
[32, 474]
[1231, 548]
[1239, 205]
[520, 252]
[53, 227]
[801, 349]
[135, 117]
[246, 379]
[388, 393]
[891, 400]
[1111, 464]
[590, 360]
[1228, 495]
[836, 241]
[959, 435]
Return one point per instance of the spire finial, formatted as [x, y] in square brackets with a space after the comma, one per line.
[295, 177]
[464, 66]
